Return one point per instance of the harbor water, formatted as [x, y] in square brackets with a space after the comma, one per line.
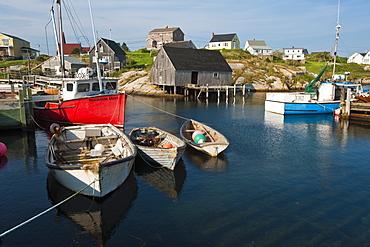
[283, 181]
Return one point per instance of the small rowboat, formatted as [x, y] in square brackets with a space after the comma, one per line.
[158, 147]
[96, 158]
[212, 144]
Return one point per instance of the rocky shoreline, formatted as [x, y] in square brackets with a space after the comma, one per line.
[138, 83]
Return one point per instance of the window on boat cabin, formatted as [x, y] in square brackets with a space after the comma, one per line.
[110, 85]
[215, 75]
[69, 87]
[95, 86]
[83, 87]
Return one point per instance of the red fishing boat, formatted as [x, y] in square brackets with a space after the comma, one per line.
[83, 99]
[87, 107]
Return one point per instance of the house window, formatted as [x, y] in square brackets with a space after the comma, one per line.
[215, 75]
[5, 41]
[101, 49]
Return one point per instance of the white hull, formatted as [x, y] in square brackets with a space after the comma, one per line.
[76, 165]
[215, 142]
[165, 157]
[107, 179]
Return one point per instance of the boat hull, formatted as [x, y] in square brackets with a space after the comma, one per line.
[78, 167]
[215, 142]
[291, 108]
[157, 155]
[99, 109]
[107, 178]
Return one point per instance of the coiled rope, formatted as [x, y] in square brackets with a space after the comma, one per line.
[47, 210]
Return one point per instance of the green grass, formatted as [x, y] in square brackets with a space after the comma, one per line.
[4, 64]
[140, 60]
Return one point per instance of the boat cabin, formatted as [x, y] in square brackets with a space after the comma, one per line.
[328, 91]
[73, 89]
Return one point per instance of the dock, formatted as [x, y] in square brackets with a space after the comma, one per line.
[197, 91]
[355, 110]
[16, 109]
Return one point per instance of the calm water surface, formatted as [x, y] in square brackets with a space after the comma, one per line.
[293, 181]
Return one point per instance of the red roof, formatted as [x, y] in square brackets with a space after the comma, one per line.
[69, 47]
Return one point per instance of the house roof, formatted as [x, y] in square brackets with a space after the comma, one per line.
[14, 37]
[294, 48]
[222, 37]
[165, 30]
[180, 44]
[260, 44]
[74, 60]
[68, 59]
[199, 60]
[114, 46]
[29, 49]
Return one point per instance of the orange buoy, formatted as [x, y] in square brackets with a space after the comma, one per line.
[167, 145]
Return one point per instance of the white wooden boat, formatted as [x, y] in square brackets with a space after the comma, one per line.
[157, 146]
[97, 156]
[214, 142]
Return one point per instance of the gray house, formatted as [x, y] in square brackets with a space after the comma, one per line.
[111, 55]
[52, 65]
[180, 67]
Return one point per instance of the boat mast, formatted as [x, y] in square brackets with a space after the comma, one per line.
[96, 50]
[55, 31]
[61, 41]
[336, 39]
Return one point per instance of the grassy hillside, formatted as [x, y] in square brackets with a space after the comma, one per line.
[255, 69]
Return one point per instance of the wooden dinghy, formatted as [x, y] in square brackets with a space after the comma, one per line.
[212, 142]
[157, 146]
[97, 156]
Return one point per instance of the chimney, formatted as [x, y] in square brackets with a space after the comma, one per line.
[213, 34]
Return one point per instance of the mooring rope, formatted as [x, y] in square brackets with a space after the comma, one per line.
[325, 106]
[47, 210]
[169, 113]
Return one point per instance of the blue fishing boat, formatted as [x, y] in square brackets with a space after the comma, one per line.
[320, 97]
[324, 99]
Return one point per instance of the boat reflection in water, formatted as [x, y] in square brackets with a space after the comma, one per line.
[165, 180]
[97, 216]
[206, 162]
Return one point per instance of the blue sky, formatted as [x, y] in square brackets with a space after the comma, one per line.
[306, 24]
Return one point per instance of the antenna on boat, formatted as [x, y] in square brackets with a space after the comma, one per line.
[336, 39]
[96, 49]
